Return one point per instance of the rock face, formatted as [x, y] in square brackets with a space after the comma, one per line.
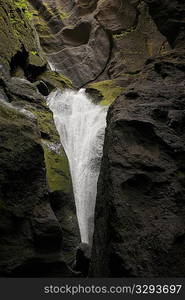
[97, 40]
[140, 201]
[34, 173]
[169, 17]
[121, 50]
[79, 50]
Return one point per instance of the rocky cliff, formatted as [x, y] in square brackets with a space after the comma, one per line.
[38, 225]
[140, 201]
[126, 52]
[97, 40]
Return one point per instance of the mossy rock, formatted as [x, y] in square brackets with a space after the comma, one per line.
[58, 174]
[45, 123]
[35, 60]
[55, 80]
[57, 167]
[22, 88]
[19, 116]
[21, 153]
[16, 31]
[109, 89]
[56, 162]
[27, 102]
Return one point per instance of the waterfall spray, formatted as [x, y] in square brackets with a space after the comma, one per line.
[81, 125]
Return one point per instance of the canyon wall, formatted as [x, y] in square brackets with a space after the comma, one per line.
[38, 227]
[122, 50]
[91, 41]
[140, 201]
[126, 52]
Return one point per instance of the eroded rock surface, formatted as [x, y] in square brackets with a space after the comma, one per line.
[97, 40]
[140, 197]
[118, 49]
[33, 165]
[169, 17]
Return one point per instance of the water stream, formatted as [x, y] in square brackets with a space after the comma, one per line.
[81, 125]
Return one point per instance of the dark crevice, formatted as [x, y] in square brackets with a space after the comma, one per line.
[78, 35]
[18, 60]
[108, 59]
[169, 18]
[109, 33]
[36, 268]
[32, 72]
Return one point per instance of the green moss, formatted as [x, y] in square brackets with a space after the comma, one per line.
[15, 30]
[55, 79]
[34, 52]
[23, 5]
[60, 77]
[64, 15]
[41, 26]
[124, 33]
[57, 167]
[40, 23]
[58, 174]
[67, 81]
[109, 89]
[9, 113]
[45, 122]
[36, 60]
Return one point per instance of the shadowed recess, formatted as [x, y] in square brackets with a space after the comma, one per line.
[78, 35]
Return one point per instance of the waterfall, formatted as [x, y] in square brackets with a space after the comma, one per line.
[81, 125]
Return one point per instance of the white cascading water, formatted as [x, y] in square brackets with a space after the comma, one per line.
[81, 125]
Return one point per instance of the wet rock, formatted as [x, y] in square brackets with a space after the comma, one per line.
[24, 89]
[140, 201]
[83, 56]
[94, 94]
[97, 40]
[32, 240]
[53, 79]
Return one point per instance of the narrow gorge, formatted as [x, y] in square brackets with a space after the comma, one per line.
[92, 138]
